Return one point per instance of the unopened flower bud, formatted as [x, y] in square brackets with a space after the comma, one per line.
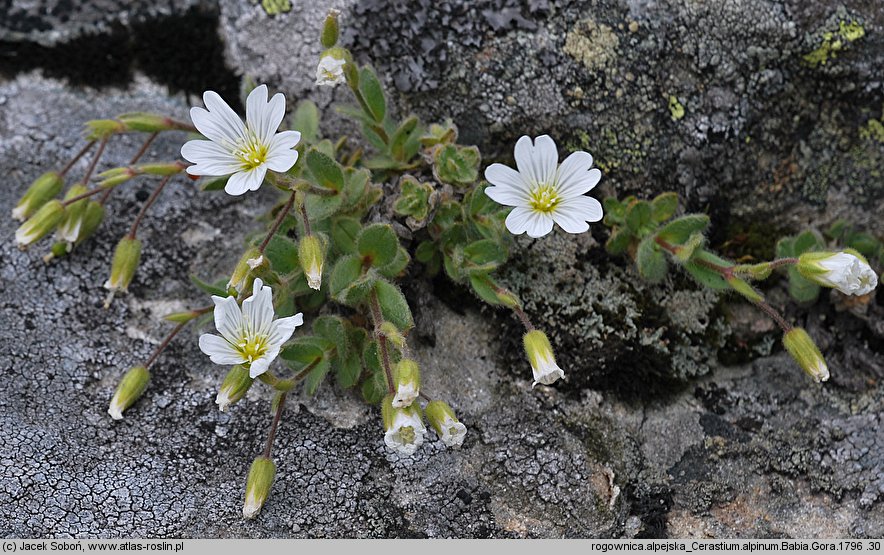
[147, 122]
[42, 190]
[329, 36]
[126, 259]
[103, 128]
[171, 168]
[130, 389]
[407, 381]
[69, 229]
[391, 332]
[311, 258]
[330, 70]
[40, 224]
[755, 271]
[441, 417]
[806, 354]
[507, 298]
[543, 361]
[94, 213]
[404, 428]
[847, 271]
[258, 486]
[115, 176]
[234, 387]
[250, 260]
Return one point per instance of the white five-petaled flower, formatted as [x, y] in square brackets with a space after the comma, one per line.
[542, 359]
[842, 271]
[244, 151]
[452, 432]
[544, 192]
[250, 335]
[406, 432]
[330, 71]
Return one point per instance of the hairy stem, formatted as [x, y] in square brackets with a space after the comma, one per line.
[277, 222]
[95, 160]
[162, 346]
[302, 207]
[274, 425]
[378, 318]
[153, 197]
[136, 158]
[76, 157]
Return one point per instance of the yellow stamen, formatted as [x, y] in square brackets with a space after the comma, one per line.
[252, 152]
[544, 198]
[253, 347]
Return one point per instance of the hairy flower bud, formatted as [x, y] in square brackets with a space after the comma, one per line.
[250, 260]
[311, 258]
[69, 229]
[441, 417]
[40, 224]
[806, 354]
[404, 428]
[126, 259]
[147, 122]
[234, 387]
[103, 128]
[258, 485]
[92, 218]
[115, 176]
[543, 361]
[130, 389]
[407, 381]
[847, 271]
[42, 190]
[329, 36]
[330, 70]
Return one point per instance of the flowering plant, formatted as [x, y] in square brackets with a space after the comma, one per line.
[334, 252]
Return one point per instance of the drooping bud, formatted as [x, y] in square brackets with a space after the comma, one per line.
[330, 70]
[258, 486]
[311, 258]
[170, 168]
[541, 357]
[250, 260]
[69, 229]
[42, 190]
[407, 381]
[846, 271]
[91, 220]
[109, 179]
[234, 387]
[755, 271]
[329, 36]
[40, 224]
[103, 128]
[130, 389]
[126, 259]
[404, 428]
[441, 417]
[806, 354]
[147, 122]
[391, 332]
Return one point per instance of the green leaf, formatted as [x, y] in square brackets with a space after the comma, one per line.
[651, 261]
[638, 216]
[378, 243]
[865, 243]
[786, 247]
[619, 241]
[332, 329]
[439, 133]
[400, 138]
[346, 272]
[680, 230]
[484, 256]
[306, 120]
[348, 371]
[395, 268]
[373, 94]
[304, 350]
[320, 207]
[394, 307]
[344, 231]
[664, 206]
[325, 170]
[218, 288]
[807, 241]
[425, 251]
[457, 165]
[414, 198]
[315, 377]
[615, 212]
[374, 389]
[706, 276]
[689, 247]
[282, 253]
[801, 289]
[484, 289]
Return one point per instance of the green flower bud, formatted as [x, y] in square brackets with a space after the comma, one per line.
[126, 259]
[407, 381]
[329, 36]
[543, 361]
[243, 273]
[507, 299]
[258, 486]
[311, 258]
[391, 332]
[40, 224]
[160, 169]
[115, 176]
[147, 122]
[441, 417]
[234, 388]
[42, 190]
[91, 220]
[69, 229]
[103, 128]
[806, 354]
[130, 389]
[755, 271]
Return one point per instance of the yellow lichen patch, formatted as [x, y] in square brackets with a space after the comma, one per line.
[592, 44]
[676, 109]
[874, 130]
[834, 42]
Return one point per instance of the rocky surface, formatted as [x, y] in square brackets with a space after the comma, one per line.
[680, 415]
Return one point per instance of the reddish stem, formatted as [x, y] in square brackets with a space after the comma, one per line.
[153, 197]
[76, 157]
[277, 223]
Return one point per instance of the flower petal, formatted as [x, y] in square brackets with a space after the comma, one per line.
[574, 177]
[263, 117]
[510, 187]
[281, 330]
[209, 158]
[280, 156]
[260, 365]
[220, 351]
[523, 219]
[573, 213]
[537, 162]
[237, 184]
[220, 120]
[228, 318]
[257, 310]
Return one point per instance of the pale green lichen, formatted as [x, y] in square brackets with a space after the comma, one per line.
[676, 109]
[834, 42]
[592, 44]
[874, 130]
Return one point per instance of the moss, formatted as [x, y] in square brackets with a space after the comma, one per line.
[834, 41]
[676, 109]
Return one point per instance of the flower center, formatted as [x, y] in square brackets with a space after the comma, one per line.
[544, 198]
[253, 347]
[406, 434]
[252, 152]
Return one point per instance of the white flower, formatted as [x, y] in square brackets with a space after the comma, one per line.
[542, 359]
[330, 71]
[249, 335]
[406, 393]
[846, 273]
[452, 432]
[406, 433]
[243, 151]
[542, 191]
